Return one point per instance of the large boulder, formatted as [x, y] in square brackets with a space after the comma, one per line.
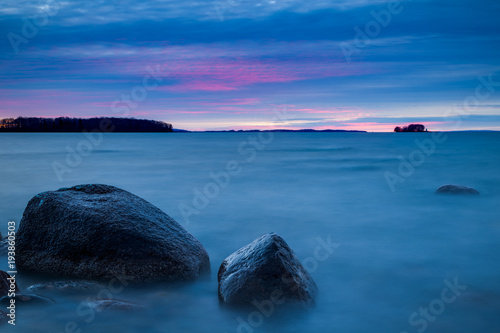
[265, 270]
[100, 232]
[456, 189]
[7, 283]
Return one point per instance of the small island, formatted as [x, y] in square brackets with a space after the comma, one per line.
[411, 128]
[66, 124]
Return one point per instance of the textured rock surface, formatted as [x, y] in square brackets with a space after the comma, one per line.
[456, 189]
[113, 305]
[5, 284]
[265, 269]
[66, 287]
[102, 232]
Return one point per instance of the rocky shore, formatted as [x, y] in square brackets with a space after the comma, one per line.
[87, 235]
[85, 238]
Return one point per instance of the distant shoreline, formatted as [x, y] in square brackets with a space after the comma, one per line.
[273, 130]
[174, 131]
[318, 131]
[132, 125]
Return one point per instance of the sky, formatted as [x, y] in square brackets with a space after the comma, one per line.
[261, 64]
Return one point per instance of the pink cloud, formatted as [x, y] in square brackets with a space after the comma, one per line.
[161, 112]
[215, 74]
[203, 86]
[311, 110]
[230, 101]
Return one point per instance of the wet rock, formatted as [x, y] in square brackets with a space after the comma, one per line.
[27, 299]
[113, 305]
[265, 270]
[100, 232]
[72, 287]
[7, 283]
[456, 189]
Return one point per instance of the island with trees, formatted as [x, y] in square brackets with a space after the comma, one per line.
[66, 124]
[411, 128]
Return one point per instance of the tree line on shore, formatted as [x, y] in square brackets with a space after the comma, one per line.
[411, 128]
[66, 124]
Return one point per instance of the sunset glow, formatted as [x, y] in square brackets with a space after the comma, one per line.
[207, 68]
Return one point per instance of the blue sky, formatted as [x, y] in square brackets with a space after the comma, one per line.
[232, 64]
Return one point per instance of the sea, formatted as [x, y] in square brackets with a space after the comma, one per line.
[358, 209]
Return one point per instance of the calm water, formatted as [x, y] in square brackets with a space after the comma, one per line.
[394, 247]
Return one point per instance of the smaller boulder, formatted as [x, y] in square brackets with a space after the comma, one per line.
[113, 305]
[456, 189]
[7, 283]
[265, 270]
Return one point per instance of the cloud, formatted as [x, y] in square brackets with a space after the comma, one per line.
[103, 12]
[261, 54]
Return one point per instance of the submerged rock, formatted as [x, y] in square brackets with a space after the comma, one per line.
[456, 189]
[27, 299]
[66, 287]
[7, 283]
[266, 269]
[113, 305]
[96, 232]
